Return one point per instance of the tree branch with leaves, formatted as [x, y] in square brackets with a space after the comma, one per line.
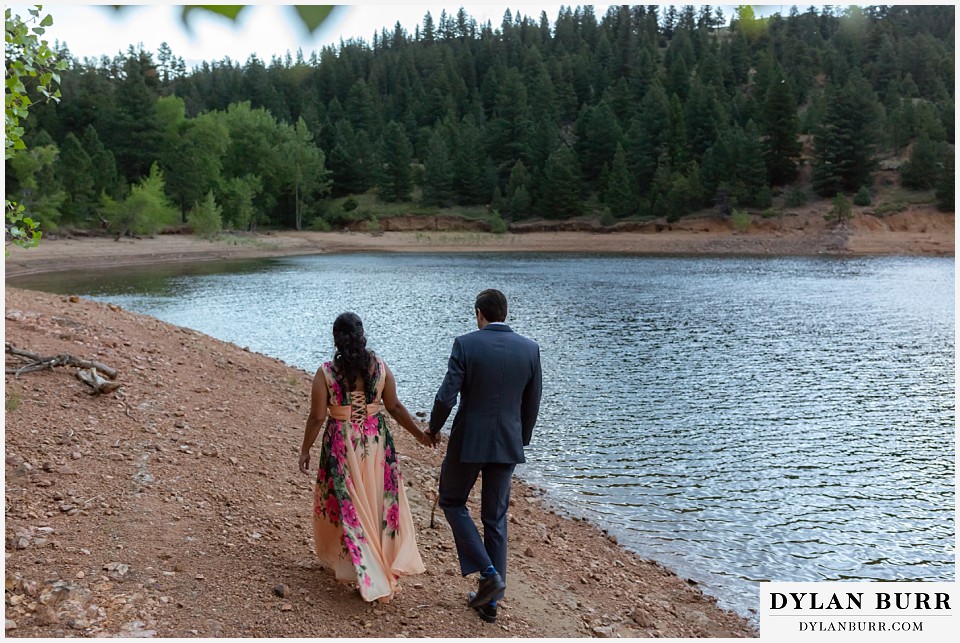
[29, 60]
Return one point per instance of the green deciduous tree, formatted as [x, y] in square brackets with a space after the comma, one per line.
[39, 191]
[205, 218]
[145, 211]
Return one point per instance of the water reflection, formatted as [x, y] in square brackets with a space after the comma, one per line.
[736, 419]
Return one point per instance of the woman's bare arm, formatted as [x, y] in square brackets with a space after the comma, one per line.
[399, 412]
[318, 412]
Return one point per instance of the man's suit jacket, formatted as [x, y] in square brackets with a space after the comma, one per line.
[497, 374]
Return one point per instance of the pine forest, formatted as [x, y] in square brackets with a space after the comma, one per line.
[637, 113]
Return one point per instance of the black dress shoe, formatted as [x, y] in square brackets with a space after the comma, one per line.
[487, 590]
[486, 612]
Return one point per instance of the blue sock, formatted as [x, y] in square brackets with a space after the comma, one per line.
[489, 571]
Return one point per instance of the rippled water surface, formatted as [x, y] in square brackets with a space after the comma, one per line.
[736, 419]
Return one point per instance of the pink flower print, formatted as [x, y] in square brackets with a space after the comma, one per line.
[350, 515]
[353, 550]
[337, 447]
[333, 508]
[337, 391]
[390, 479]
[387, 454]
[393, 517]
[366, 581]
[371, 426]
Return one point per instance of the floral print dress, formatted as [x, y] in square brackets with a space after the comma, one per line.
[362, 525]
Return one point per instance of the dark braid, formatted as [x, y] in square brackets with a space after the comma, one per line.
[352, 360]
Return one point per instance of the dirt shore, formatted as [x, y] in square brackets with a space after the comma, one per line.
[919, 231]
[173, 507]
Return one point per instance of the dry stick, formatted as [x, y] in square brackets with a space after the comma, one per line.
[434, 510]
[40, 363]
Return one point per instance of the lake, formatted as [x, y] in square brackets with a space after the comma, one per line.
[736, 419]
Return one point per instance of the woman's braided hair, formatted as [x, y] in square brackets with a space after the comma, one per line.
[351, 360]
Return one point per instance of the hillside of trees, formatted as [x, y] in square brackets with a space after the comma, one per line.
[643, 112]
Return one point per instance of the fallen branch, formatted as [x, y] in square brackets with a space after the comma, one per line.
[39, 363]
[100, 385]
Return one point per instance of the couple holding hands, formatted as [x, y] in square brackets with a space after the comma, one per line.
[362, 525]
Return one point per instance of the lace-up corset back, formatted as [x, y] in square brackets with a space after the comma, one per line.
[352, 405]
[358, 406]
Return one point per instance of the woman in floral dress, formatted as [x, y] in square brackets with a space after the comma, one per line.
[361, 518]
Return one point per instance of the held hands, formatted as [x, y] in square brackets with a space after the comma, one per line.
[427, 439]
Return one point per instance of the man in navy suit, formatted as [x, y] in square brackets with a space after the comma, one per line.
[496, 373]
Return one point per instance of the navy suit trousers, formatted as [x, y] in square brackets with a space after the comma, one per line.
[456, 481]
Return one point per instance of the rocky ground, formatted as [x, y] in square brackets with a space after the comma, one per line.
[173, 507]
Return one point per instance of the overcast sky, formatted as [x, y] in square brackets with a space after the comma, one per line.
[264, 30]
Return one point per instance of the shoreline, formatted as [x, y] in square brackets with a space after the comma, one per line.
[172, 507]
[919, 232]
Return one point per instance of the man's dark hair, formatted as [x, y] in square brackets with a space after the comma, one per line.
[492, 304]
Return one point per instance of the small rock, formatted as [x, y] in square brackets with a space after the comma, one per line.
[80, 574]
[281, 590]
[603, 632]
[46, 615]
[23, 542]
[529, 552]
[9, 624]
[450, 572]
[286, 607]
[78, 623]
[199, 577]
[641, 618]
[117, 570]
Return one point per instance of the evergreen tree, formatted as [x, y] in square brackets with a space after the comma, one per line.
[395, 178]
[468, 164]
[437, 173]
[922, 171]
[619, 195]
[518, 199]
[103, 167]
[846, 140]
[598, 135]
[74, 171]
[560, 195]
[648, 136]
[136, 136]
[780, 130]
[946, 183]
